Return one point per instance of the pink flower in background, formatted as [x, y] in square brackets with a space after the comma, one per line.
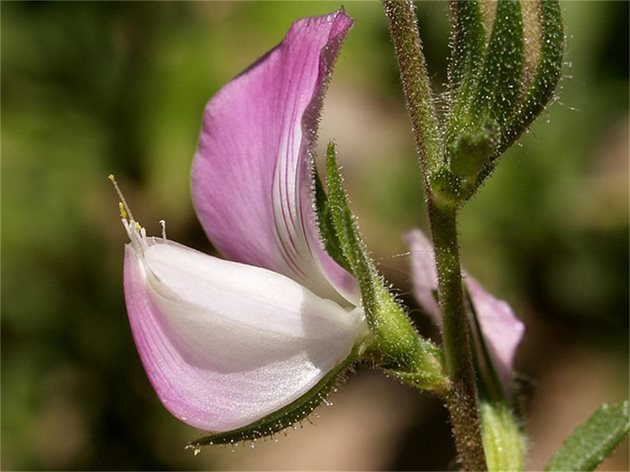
[225, 343]
[502, 331]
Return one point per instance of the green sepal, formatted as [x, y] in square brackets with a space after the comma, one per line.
[467, 53]
[469, 141]
[325, 223]
[502, 436]
[485, 82]
[397, 344]
[593, 440]
[286, 416]
[502, 75]
[430, 375]
[547, 75]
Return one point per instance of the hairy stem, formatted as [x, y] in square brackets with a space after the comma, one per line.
[461, 399]
[415, 83]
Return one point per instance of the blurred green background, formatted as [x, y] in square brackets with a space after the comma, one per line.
[90, 89]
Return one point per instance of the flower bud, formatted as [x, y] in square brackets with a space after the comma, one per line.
[497, 332]
[505, 63]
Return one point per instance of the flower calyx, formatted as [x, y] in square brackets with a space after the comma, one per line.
[505, 63]
[396, 346]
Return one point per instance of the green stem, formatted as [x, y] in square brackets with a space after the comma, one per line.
[462, 398]
[416, 84]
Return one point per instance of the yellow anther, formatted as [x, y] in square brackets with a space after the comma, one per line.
[123, 212]
[138, 227]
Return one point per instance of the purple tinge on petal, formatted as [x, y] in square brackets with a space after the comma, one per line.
[225, 344]
[501, 329]
[251, 177]
[423, 273]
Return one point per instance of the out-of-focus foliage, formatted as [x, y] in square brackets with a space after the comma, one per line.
[95, 88]
[593, 440]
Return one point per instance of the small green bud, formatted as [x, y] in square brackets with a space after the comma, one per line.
[505, 63]
[447, 189]
[470, 152]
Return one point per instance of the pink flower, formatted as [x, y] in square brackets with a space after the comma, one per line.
[226, 343]
[252, 177]
[501, 330]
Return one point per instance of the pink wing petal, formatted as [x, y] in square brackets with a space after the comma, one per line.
[501, 329]
[251, 181]
[225, 344]
[423, 273]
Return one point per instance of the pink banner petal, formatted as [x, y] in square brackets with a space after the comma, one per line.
[225, 344]
[251, 180]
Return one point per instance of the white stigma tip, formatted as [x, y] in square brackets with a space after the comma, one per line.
[163, 225]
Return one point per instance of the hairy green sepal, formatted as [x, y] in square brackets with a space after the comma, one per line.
[286, 416]
[502, 74]
[468, 48]
[398, 348]
[548, 73]
[326, 225]
[593, 440]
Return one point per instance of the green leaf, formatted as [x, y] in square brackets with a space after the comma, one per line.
[503, 438]
[592, 441]
[397, 342]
